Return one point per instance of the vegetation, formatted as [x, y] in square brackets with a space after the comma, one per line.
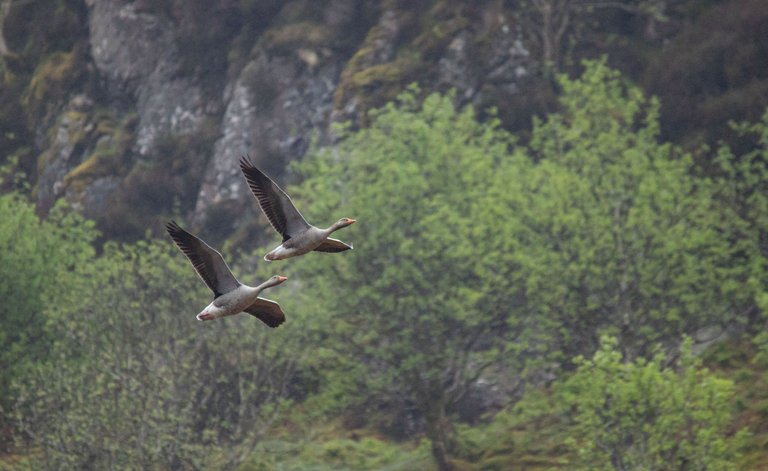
[550, 283]
[37, 259]
[129, 382]
[645, 415]
[420, 322]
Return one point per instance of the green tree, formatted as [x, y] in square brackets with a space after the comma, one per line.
[407, 315]
[742, 190]
[615, 232]
[37, 259]
[646, 415]
[135, 382]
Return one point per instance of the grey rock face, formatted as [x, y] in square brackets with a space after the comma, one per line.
[272, 112]
[137, 54]
[498, 65]
[62, 153]
[278, 94]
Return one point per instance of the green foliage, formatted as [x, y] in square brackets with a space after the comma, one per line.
[337, 454]
[37, 259]
[134, 381]
[643, 415]
[409, 303]
[472, 252]
[615, 233]
[742, 186]
[481, 253]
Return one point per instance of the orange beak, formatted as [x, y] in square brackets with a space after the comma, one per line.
[352, 221]
[282, 278]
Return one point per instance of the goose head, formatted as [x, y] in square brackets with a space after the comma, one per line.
[343, 222]
[275, 280]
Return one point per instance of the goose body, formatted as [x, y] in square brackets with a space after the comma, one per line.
[299, 237]
[230, 297]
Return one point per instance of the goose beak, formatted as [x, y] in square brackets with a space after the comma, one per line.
[352, 221]
[282, 278]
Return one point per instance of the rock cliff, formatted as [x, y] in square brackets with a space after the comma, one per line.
[133, 111]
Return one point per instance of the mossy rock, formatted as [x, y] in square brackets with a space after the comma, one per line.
[433, 41]
[304, 34]
[376, 85]
[50, 82]
[75, 123]
[398, 71]
[372, 82]
[112, 142]
[104, 161]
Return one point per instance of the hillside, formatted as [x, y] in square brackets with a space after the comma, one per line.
[148, 104]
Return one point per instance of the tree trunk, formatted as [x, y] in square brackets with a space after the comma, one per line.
[439, 431]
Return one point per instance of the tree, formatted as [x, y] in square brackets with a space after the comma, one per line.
[36, 261]
[553, 25]
[742, 190]
[616, 234]
[646, 415]
[409, 315]
[134, 381]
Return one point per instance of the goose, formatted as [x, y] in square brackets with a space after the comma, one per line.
[229, 295]
[299, 237]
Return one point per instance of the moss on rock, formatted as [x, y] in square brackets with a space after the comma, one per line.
[51, 81]
[304, 34]
[107, 157]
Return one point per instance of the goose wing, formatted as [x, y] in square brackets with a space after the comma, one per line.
[268, 312]
[333, 245]
[276, 204]
[208, 263]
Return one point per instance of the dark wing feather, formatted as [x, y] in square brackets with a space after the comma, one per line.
[276, 204]
[267, 311]
[333, 245]
[207, 262]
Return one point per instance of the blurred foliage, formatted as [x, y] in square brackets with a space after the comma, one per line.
[480, 262]
[131, 380]
[416, 314]
[337, 454]
[485, 252]
[615, 233]
[660, 413]
[742, 186]
[37, 259]
[645, 415]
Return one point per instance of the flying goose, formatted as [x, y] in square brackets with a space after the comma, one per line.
[299, 237]
[229, 295]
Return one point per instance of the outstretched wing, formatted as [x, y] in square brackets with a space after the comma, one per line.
[333, 245]
[276, 204]
[208, 263]
[267, 311]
